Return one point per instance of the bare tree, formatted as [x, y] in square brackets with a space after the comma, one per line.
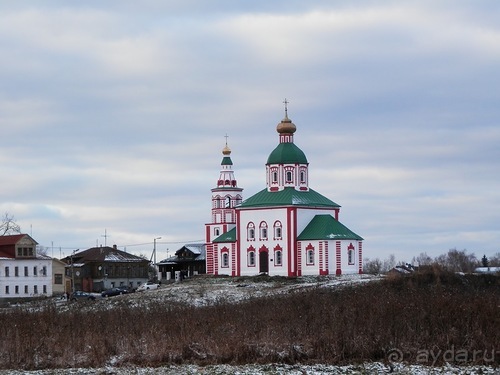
[8, 225]
[373, 267]
[422, 260]
[458, 261]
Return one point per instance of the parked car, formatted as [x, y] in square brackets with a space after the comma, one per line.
[148, 286]
[79, 295]
[115, 291]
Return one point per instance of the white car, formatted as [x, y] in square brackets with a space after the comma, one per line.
[148, 286]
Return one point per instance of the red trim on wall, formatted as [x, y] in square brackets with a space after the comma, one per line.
[338, 270]
[360, 249]
[238, 244]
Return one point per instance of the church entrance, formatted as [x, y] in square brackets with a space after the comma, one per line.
[263, 262]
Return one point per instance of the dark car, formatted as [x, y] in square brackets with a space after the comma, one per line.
[79, 295]
[115, 291]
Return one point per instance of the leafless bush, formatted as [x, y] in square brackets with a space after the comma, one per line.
[430, 309]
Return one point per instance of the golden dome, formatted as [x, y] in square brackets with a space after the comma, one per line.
[286, 126]
[226, 151]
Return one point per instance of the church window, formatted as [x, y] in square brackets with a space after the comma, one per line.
[288, 176]
[251, 231]
[217, 202]
[228, 201]
[263, 230]
[302, 177]
[350, 254]
[275, 177]
[277, 230]
[278, 258]
[225, 260]
[251, 258]
[216, 231]
[310, 256]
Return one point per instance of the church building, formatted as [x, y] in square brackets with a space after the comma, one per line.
[286, 229]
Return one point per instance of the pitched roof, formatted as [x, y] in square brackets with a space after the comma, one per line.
[229, 236]
[288, 197]
[326, 227]
[197, 249]
[104, 254]
[13, 239]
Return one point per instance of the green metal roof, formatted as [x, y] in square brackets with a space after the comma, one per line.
[229, 236]
[226, 160]
[326, 227]
[288, 197]
[287, 153]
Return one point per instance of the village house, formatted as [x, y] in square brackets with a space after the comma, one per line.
[100, 268]
[24, 273]
[188, 261]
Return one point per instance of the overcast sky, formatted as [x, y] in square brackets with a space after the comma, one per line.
[113, 116]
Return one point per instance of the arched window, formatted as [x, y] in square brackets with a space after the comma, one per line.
[278, 258]
[302, 176]
[288, 176]
[216, 231]
[277, 230]
[275, 176]
[228, 201]
[251, 231]
[263, 230]
[350, 254]
[310, 255]
[251, 258]
[225, 260]
[217, 202]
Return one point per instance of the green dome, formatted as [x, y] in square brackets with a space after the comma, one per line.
[287, 153]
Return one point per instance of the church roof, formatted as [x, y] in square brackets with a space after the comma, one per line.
[287, 153]
[288, 197]
[326, 227]
[229, 236]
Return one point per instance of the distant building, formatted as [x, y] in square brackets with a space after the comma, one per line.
[487, 270]
[24, 274]
[189, 260]
[286, 229]
[100, 268]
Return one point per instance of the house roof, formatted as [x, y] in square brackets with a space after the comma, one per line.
[13, 239]
[197, 249]
[326, 227]
[287, 153]
[104, 254]
[229, 236]
[288, 197]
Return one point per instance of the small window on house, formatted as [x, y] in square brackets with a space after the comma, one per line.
[16, 271]
[26, 289]
[278, 258]
[35, 289]
[17, 289]
[251, 231]
[44, 271]
[263, 230]
[350, 255]
[35, 271]
[277, 230]
[58, 278]
[26, 271]
[6, 289]
[251, 258]
[225, 260]
[310, 256]
[45, 289]
[6, 271]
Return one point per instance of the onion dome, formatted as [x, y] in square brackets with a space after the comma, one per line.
[226, 151]
[286, 126]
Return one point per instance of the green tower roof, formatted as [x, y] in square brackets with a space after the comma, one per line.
[287, 153]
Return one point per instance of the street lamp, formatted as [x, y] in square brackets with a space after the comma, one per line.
[154, 257]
